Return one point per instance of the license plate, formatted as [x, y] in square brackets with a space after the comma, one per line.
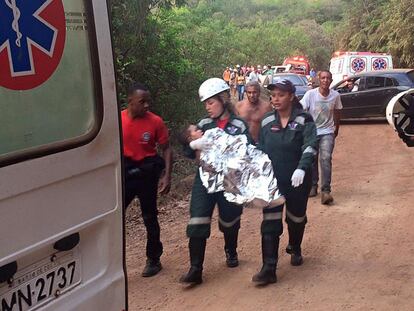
[41, 282]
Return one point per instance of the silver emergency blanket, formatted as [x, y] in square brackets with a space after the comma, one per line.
[242, 171]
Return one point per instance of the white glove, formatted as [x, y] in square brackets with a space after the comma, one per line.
[297, 177]
[200, 144]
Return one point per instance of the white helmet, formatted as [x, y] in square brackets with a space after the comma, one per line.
[400, 112]
[211, 87]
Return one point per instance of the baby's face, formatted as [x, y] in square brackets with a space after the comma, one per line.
[194, 132]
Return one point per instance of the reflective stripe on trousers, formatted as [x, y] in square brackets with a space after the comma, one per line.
[199, 221]
[272, 216]
[294, 218]
[229, 224]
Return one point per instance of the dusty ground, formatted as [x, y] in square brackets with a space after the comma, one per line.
[358, 252]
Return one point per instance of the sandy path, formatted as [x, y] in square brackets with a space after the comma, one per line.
[358, 252]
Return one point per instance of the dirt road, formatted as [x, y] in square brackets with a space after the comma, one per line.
[358, 252]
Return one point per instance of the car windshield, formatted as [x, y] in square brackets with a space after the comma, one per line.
[296, 80]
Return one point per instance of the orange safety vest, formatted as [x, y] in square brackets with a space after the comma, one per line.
[226, 75]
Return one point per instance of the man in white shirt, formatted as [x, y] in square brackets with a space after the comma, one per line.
[253, 77]
[324, 105]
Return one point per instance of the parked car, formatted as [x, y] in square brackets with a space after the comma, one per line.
[366, 95]
[267, 75]
[299, 81]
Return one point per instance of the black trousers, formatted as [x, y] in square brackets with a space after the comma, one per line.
[144, 185]
[296, 206]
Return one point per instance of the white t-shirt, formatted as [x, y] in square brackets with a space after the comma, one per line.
[253, 77]
[322, 109]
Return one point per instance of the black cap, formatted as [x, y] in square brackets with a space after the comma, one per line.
[283, 85]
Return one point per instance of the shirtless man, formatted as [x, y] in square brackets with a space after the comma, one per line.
[253, 108]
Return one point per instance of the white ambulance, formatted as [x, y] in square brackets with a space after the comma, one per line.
[345, 64]
[62, 244]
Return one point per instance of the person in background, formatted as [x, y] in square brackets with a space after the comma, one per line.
[324, 105]
[312, 78]
[240, 82]
[288, 136]
[247, 74]
[226, 75]
[233, 83]
[350, 86]
[214, 94]
[252, 108]
[253, 76]
[312, 73]
[244, 69]
[146, 173]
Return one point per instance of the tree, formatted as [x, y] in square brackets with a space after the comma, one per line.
[396, 32]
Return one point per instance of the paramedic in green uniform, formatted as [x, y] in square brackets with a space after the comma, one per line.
[215, 95]
[288, 136]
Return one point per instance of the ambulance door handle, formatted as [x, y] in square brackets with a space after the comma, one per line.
[67, 243]
[8, 271]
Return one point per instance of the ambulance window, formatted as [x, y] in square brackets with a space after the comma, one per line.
[336, 66]
[51, 91]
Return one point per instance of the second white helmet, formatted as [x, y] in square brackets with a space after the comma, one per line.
[211, 87]
[399, 112]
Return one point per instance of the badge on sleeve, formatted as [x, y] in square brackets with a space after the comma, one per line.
[232, 130]
[293, 125]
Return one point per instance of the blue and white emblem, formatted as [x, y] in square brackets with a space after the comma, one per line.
[232, 130]
[146, 136]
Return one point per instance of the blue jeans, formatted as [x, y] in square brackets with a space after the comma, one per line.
[326, 145]
[240, 90]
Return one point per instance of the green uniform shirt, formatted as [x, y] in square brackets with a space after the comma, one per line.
[289, 148]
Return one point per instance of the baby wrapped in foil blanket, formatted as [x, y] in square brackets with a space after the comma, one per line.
[245, 174]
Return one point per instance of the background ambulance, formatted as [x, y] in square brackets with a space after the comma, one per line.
[344, 64]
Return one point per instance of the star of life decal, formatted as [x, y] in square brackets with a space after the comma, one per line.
[32, 36]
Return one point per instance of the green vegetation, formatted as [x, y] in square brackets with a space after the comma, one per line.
[381, 26]
[172, 46]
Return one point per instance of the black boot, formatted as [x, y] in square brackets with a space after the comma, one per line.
[270, 246]
[154, 247]
[296, 232]
[152, 267]
[230, 248]
[197, 248]
[296, 258]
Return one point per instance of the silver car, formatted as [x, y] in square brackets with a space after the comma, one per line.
[300, 82]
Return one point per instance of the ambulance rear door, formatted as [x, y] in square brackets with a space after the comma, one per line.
[61, 216]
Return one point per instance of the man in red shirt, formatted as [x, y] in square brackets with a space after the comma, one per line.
[146, 173]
